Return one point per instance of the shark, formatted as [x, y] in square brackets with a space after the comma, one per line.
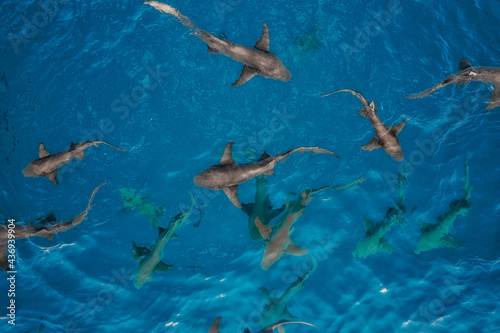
[276, 309]
[227, 174]
[374, 241]
[467, 73]
[437, 235]
[47, 164]
[45, 227]
[385, 137]
[150, 260]
[257, 60]
[279, 325]
[262, 207]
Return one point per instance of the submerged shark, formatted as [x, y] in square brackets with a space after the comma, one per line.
[257, 60]
[467, 73]
[47, 164]
[227, 174]
[150, 260]
[215, 326]
[374, 241]
[262, 207]
[437, 235]
[385, 137]
[276, 309]
[44, 227]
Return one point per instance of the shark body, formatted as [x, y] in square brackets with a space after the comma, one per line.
[276, 309]
[150, 260]
[257, 60]
[227, 174]
[437, 235]
[47, 164]
[45, 227]
[215, 326]
[467, 73]
[374, 242]
[385, 137]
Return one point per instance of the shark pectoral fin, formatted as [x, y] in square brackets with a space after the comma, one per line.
[494, 101]
[215, 326]
[162, 267]
[368, 225]
[246, 74]
[425, 225]
[363, 113]
[213, 50]
[265, 230]
[53, 177]
[79, 155]
[160, 230]
[263, 43]
[396, 129]
[269, 173]
[276, 212]
[373, 144]
[464, 64]
[286, 314]
[295, 250]
[232, 194]
[266, 293]
[385, 246]
[227, 156]
[42, 152]
[139, 252]
[448, 241]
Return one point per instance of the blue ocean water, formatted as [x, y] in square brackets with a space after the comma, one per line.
[124, 73]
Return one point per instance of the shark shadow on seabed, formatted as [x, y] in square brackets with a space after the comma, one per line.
[437, 235]
[143, 205]
[374, 241]
[45, 227]
[150, 259]
[276, 308]
[277, 237]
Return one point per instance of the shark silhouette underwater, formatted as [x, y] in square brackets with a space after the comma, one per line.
[276, 308]
[45, 227]
[437, 235]
[257, 60]
[385, 137]
[150, 259]
[215, 326]
[227, 174]
[47, 164]
[466, 74]
[374, 241]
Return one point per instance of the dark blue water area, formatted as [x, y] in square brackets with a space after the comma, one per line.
[122, 72]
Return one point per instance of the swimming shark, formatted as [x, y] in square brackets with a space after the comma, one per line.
[47, 164]
[276, 309]
[385, 137]
[45, 227]
[374, 241]
[262, 207]
[467, 73]
[227, 174]
[257, 60]
[150, 260]
[215, 326]
[437, 235]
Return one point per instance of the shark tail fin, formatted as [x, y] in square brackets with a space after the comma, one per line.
[215, 326]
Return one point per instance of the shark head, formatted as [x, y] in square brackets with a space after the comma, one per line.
[208, 179]
[279, 71]
[30, 171]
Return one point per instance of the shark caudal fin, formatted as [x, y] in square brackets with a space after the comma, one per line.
[248, 73]
[215, 326]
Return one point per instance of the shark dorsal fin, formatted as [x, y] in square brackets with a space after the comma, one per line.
[161, 267]
[42, 152]
[53, 177]
[215, 326]
[245, 331]
[385, 246]
[373, 106]
[425, 225]
[72, 144]
[263, 43]
[227, 156]
[232, 193]
[264, 156]
[266, 293]
[265, 230]
[295, 250]
[396, 129]
[246, 75]
[464, 64]
[368, 225]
